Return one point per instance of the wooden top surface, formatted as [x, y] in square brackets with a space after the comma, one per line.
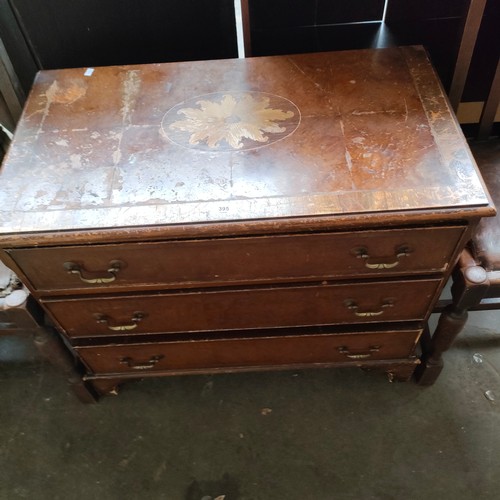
[355, 133]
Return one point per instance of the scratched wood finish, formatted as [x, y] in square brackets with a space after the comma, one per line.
[264, 259]
[324, 304]
[372, 133]
[168, 217]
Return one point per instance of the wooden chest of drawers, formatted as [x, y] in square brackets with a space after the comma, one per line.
[239, 215]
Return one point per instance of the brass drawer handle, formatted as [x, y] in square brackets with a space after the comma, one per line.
[352, 306]
[362, 253]
[111, 324]
[137, 365]
[114, 267]
[358, 355]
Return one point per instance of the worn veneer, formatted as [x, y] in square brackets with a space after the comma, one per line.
[272, 212]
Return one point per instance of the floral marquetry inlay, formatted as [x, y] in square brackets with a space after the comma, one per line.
[229, 121]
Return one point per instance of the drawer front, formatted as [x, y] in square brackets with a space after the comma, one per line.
[239, 260]
[245, 309]
[250, 352]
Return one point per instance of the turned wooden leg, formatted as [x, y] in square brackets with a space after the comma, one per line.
[396, 372]
[52, 348]
[400, 373]
[106, 387]
[469, 287]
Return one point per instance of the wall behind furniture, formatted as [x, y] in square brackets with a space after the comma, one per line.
[283, 26]
[292, 26]
[286, 26]
[62, 33]
[438, 25]
[78, 33]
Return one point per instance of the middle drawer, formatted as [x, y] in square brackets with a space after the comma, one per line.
[241, 309]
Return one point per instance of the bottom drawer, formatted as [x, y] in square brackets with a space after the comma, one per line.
[250, 352]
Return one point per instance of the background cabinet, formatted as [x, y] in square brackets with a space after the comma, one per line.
[61, 34]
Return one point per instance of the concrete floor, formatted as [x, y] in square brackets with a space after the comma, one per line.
[310, 435]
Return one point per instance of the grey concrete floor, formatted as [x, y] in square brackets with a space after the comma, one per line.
[308, 435]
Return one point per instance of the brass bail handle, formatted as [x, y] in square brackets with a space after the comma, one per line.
[139, 365]
[116, 327]
[400, 252]
[363, 354]
[354, 307]
[95, 277]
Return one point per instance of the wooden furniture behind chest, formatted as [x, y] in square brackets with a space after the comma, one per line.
[234, 215]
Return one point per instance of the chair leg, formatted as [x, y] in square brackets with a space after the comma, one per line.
[490, 107]
[470, 284]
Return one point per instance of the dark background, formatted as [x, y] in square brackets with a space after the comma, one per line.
[79, 33]
[48, 34]
[284, 26]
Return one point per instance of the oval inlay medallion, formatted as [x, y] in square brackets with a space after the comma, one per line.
[231, 121]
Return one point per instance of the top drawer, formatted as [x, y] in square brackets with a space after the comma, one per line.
[238, 260]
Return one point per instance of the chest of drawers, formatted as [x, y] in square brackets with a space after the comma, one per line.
[276, 212]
